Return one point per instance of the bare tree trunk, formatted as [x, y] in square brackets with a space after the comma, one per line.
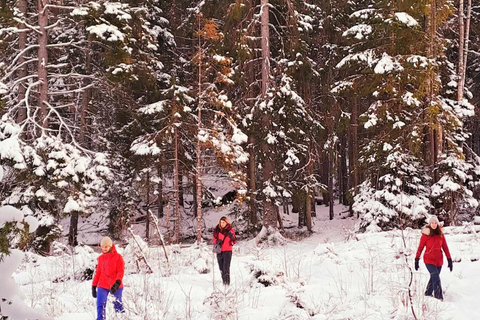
[194, 195]
[86, 92]
[342, 169]
[433, 147]
[42, 62]
[181, 190]
[252, 182]
[160, 191]
[147, 221]
[354, 146]
[461, 42]
[175, 186]
[269, 211]
[22, 72]
[199, 149]
[330, 181]
[464, 39]
[73, 230]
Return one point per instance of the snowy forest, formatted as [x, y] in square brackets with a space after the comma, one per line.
[148, 120]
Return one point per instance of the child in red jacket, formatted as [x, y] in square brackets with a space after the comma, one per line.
[434, 241]
[225, 236]
[108, 278]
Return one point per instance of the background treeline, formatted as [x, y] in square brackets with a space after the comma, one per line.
[128, 109]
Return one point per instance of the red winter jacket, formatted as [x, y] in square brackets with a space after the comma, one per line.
[222, 234]
[110, 268]
[435, 244]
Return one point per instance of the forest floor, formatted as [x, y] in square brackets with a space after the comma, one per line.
[332, 274]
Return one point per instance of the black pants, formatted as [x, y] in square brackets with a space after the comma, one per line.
[434, 285]
[224, 259]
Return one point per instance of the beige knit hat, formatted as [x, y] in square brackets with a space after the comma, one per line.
[433, 219]
[106, 242]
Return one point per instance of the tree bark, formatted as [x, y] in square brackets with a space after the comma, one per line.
[198, 147]
[160, 191]
[73, 230]
[461, 43]
[354, 148]
[86, 92]
[42, 62]
[269, 211]
[22, 72]
[342, 169]
[175, 186]
[147, 221]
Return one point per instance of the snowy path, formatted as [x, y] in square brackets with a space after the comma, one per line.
[324, 276]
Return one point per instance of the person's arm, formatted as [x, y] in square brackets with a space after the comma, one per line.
[445, 248]
[423, 241]
[120, 268]
[97, 274]
[231, 235]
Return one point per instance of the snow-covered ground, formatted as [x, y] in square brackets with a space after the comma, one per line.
[334, 274]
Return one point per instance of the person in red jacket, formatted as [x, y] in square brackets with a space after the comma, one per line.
[225, 236]
[434, 241]
[108, 278]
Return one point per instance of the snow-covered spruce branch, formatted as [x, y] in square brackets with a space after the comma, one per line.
[57, 7]
[51, 26]
[9, 74]
[54, 93]
[29, 26]
[20, 54]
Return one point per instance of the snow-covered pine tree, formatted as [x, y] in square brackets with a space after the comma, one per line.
[387, 65]
[54, 175]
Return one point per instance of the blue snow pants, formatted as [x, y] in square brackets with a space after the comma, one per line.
[102, 295]
[434, 285]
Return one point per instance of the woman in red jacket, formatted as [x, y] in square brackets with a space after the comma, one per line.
[108, 278]
[434, 241]
[225, 236]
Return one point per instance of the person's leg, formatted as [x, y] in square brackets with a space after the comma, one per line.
[226, 266]
[102, 295]
[220, 258]
[117, 304]
[434, 285]
[438, 292]
[429, 290]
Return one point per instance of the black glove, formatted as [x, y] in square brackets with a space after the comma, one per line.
[220, 242]
[230, 235]
[115, 286]
[417, 260]
[450, 264]
[94, 291]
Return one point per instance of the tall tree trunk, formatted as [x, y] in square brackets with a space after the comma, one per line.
[42, 62]
[464, 39]
[160, 191]
[324, 173]
[175, 186]
[354, 148]
[73, 230]
[86, 92]
[461, 43]
[331, 160]
[342, 169]
[147, 221]
[298, 206]
[22, 72]
[181, 189]
[269, 211]
[199, 149]
[252, 181]
[433, 139]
